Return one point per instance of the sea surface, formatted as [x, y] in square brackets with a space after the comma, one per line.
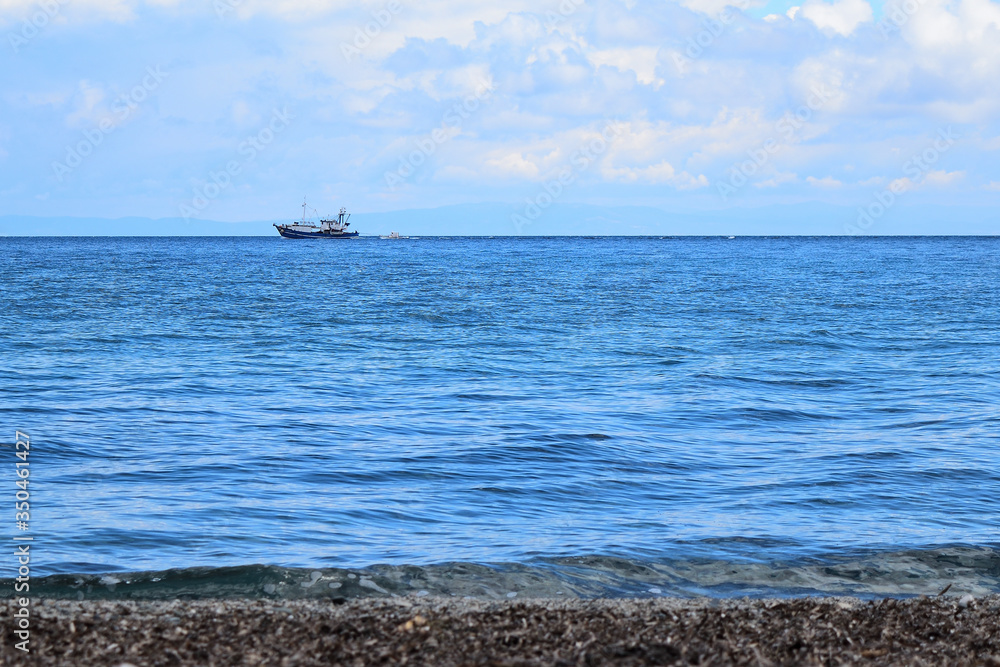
[502, 417]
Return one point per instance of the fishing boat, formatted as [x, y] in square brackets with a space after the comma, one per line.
[394, 235]
[326, 229]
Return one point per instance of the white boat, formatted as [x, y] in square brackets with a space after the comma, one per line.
[393, 235]
[327, 228]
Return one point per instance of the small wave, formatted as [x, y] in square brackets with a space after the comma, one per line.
[897, 574]
[781, 415]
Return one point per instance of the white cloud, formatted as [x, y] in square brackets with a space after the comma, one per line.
[90, 108]
[687, 182]
[777, 179]
[662, 173]
[430, 19]
[714, 7]
[25, 98]
[839, 16]
[555, 86]
[451, 83]
[514, 165]
[640, 59]
[901, 185]
[61, 11]
[825, 182]
[931, 178]
[993, 186]
[942, 178]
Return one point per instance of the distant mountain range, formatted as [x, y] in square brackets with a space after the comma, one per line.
[497, 219]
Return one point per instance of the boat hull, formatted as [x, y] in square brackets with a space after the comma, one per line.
[295, 234]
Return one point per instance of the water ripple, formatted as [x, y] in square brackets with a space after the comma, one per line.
[223, 402]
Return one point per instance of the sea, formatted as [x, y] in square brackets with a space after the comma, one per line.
[503, 417]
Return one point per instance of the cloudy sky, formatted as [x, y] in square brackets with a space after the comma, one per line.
[235, 109]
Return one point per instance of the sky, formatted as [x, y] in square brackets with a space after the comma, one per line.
[236, 110]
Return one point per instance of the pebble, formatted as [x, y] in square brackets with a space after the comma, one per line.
[551, 630]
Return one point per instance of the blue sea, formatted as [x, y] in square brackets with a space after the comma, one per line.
[503, 417]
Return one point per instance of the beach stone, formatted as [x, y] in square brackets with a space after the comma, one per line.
[527, 631]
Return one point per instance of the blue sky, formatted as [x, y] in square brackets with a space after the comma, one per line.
[235, 109]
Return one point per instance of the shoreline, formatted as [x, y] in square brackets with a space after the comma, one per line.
[866, 575]
[454, 631]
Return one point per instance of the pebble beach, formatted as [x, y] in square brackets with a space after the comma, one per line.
[448, 631]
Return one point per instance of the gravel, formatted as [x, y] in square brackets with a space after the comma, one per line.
[448, 631]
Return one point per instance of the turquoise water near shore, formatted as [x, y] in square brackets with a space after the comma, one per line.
[586, 415]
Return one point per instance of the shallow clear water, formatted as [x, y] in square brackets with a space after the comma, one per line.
[638, 402]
